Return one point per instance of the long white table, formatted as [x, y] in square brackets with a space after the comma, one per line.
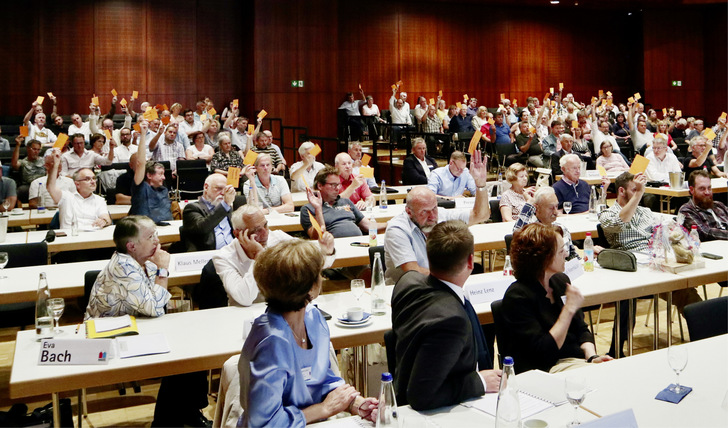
[300, 199]
[666, 193]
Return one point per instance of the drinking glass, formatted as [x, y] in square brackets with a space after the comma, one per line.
[677, 357]
[56, 306]
[567, 207]
[575, 393]
[6, 205]
[3, 262]
[357, 287]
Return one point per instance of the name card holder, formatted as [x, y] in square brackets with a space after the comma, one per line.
[185, 262]
[489, 290]
[74, 352]
[465, 203]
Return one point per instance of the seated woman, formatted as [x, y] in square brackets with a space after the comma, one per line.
[544, 332]
[226, 157]
[513, 199]
[271, 191]
[285, 372]
[580, 145]
[609, 161]
[198, 149]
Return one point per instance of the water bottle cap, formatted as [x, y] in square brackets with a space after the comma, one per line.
[386, 377]
[693, 227]
[508, 361]
[588, 234]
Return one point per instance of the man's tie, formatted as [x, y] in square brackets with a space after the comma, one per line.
[485, 361]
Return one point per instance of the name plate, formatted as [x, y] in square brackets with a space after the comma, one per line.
[465, 203]
[489, 290]
[573, 269]
[185, 262]
[74, 352]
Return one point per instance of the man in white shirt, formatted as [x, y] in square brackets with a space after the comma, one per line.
[38, 195]
[123, 152]
[78, 126]
[87, 208]
[78, 157]
[662, 162]
[640, 135]
[38, 130]
[234, 262]
[189, 125]
[303, 172]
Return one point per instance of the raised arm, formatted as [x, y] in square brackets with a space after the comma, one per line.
[51, 185]
[479, 171]
[16, 153]
[630, 207]
[29, 114]
[141, 157]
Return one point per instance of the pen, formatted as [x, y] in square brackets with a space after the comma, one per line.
[592, 412]
[78, 327]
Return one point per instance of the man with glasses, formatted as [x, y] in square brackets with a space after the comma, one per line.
[353, 186]
[78, 157]
[149, 196]
[662, 161]
[88, 209]
[701, 149]
[570, 188]
[123, 152]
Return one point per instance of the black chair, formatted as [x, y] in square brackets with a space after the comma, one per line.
[191, 181]
[378, 249]
[89, 279]
[22, 255]
[390, 345]
[508, 238]
[706, 319]
[210, 293]
[495, 213]
[601, 239]
[505, 154]
[501, 332]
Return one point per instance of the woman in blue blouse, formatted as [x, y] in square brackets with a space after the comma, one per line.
[285, 373]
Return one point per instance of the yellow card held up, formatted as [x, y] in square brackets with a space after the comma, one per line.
[150, 114]
[609, 101]
[40, 99]
[315, 150]
[609, 94]
[107, 133]
[250, 157]
[262, 114]
[531, 129]
[561, 87]
[678, 113]
[439, 93]
[137, 128]
[551, 89]
[491, 121]
[709, 134]
[113, 92]
[135, 94]
[639, 164]
[314, 223]
[630, 100]
[515, 101]
[458, 105]
[95, 101]
[236, 102]
[604, 102]
[664, 112]
[394, 87]
[593, 100]
[50, 94]
[637, 96]
[474, 142]
[164, 107]
[432, 101]
[502, 96]
[365, 159]
[123, 102]
[574, 123]
[251, 128]
[547, 96]
[233, 177]
[724, 115]
[601, 92]
[61, 141]
[212, 112]
[165, 120]
[203, 117]
[602, 171]
[23, 131]
[465, 97]
[366, 171]
[500, 106]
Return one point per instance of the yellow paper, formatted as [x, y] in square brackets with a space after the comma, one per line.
[212, 112]
[360, 86]
[604, 102]
[531, 129]
[95, 101]
[723, 115]
[150, 114]
[113, 92]
[40, 99]
[491, 121]
[637, 96]
[314, 223]
[593, 100]
[515, 101]
[664, 112]
[574, 123]
[233, 177]
[500, 106]
[61, 141]
[602, 171]
[709, 134]
[399, 83]
[137, 128]
[474, 142]
[609, 94]
[123, 102]
[465, 97]
[250, 157]
[432, 101]
[235, 102]
[107, 133]
[553, 103]
[305, 183]
[502, 96]
[439, 93]
[203, 117]
[547, 96]
[366, 171]
[551, 89]
[164, 107]
[639, 164]
[50, 94]
[394, 87]
[678, 113]
[561, 87]
[251, 128]
[365, 159]
[609, 101]
[135, 94]
[630, 100]
[23, 131]
[315, 150]
[262, 114]
[458, 105]
[601, 92]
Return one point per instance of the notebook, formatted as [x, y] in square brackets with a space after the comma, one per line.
[97, 328]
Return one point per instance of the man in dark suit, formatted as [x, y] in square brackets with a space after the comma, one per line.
[417, 165]
[206, 223]
[441, 354]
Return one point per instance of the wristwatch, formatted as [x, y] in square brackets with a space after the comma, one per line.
[592, 358]
[162, 273]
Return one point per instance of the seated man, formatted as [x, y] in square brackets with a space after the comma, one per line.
[37, 130]
[263, 143]
[417, 165]
[462, 123]
[551, 141]
[149, 197]
[442, 357]
[266, 190]
[124, 183]
[303, 172]
[353, 186]
[452, 180]
[711, 217]
[31, 167]
[529, 146]
[567, 148]
[628, 226]
[135, 283]
[333, 212]
[234, 262]
[38, 195]
[206, 222]
[407, 233]
[662, 161]
[79, 157]
[571, 188]
[355, 152]
[701, 149]
[84, 206]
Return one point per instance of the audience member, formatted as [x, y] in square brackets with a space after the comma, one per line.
[528, 145]
[353, 186]
[662, 161]
[462, 123]
[303, 172]
[353, 115]
[710, 217]
[169, 149]
[79, 157]
[31, 167]
[123, 152]
[453, 179]
[641, 136]
[38, 195]
[549, 143]
[513, 199]
[206, 222]
[198, 149]
[225, 157]
[500, 132]
[355, 152]
[189, 125]
[701, 148]
[37, 130]
[567, 148]
[263, 143]
[611, 162]
[417, 166]
[268, 191]
[78, 126]
[149, 197]
[5, 144]
[571, 188]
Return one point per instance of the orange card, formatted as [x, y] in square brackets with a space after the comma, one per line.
[561, 87]
[601, 92]
[630, 100]
[123, 102]
[553, 103]
[531, 129]
[664, 112]
[314, 223]
[639, 164]
[50, 94]
[164, 107]
[113, 92]
[432, 101]
[315, 150]
[262, 114]
[251, 128]
[212, 112]
[360, 86]
[502, 96]
[491, 121]
[250, 158]
[637, 96]
[61, 141]
[609, 101]
[440, 93]
[515, 101]
[137, 128]
[602, 171]
[574, 123]
[233, 177]
[709, 134]
[365, 158]
[366, 171]
[23, 131]
[678, 113]
[135, 94]
[609, 94]
[604, 102]
[95, 101]
[203, 117]
[107, 133]
[593, 100]
[394, 87]
[458, 105]
[723, 115]
[474, 142]
[236, 102]
[548, 95]
[305, 182]
[500, 107]
[40, 99]
[399, 82]
[150, 114]
[165, 120]
[551, 89]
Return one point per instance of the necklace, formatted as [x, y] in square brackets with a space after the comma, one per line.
[303, 340]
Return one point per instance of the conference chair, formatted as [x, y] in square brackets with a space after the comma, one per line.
[209, 293]
[390, 345]
[22, 255]
[378, 249]
[501, 333]
[495, 213]
[708, 318]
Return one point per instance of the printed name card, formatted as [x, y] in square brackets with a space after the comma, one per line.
[573, 269]
[185, 262]
[74, 352]
[489, 289]
[468, 203]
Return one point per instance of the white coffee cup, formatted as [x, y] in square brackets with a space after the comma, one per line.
[355, 313]
[18, 210]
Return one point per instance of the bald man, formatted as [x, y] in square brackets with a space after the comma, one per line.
[206, 223]
[353, 186]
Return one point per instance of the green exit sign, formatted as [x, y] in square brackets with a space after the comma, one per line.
[677, 83]
[296, 83]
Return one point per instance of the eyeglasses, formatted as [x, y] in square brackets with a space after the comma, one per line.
[86, 179]
[337, 184]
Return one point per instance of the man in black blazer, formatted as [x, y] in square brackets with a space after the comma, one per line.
[441, 354]
[413, 171]
[206, 223]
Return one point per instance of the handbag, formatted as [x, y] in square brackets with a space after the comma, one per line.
[617, 259]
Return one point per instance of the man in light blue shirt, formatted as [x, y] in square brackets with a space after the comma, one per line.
[453, 179]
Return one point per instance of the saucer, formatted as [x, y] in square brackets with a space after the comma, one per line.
[343, 319]
[365, 323]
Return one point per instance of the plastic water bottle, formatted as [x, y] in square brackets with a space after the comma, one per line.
[74, 224]
[378, 300]
[372, 231]
[382, 196]
[507, 267]
[508, 410]
[593, 202]
[588, 253]
[388, 416]
[499, 190]
[43, 318]
[695, 238]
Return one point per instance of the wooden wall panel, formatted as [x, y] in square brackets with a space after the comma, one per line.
[19, 66]
[715, 27]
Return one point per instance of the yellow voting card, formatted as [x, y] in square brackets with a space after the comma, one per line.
[458, 105]
[113, 92]
[639, 164]
[233, 177]
[61, 141]
[315, 223]
[50, 94]
[601, 92]
[502, 96]
[551, 89]
[664, 112]
[432, 101]
[709, 134]
[439, 93]
[602, 171]
[107, 133]
[262, 114]
[23, 131]
[150, 114]
[40, 99]
[95, 101]
[474, 142]
[212, 112]
[251, 128]
[574, 123]
[637, 96]
[315, 150]
[630, 100]
[365, 158]
[366, 171]
[250, 157]
[723, 115]
[135, 94]
[123, 102]
[137, 128]
[678, 113]
[561, 87]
